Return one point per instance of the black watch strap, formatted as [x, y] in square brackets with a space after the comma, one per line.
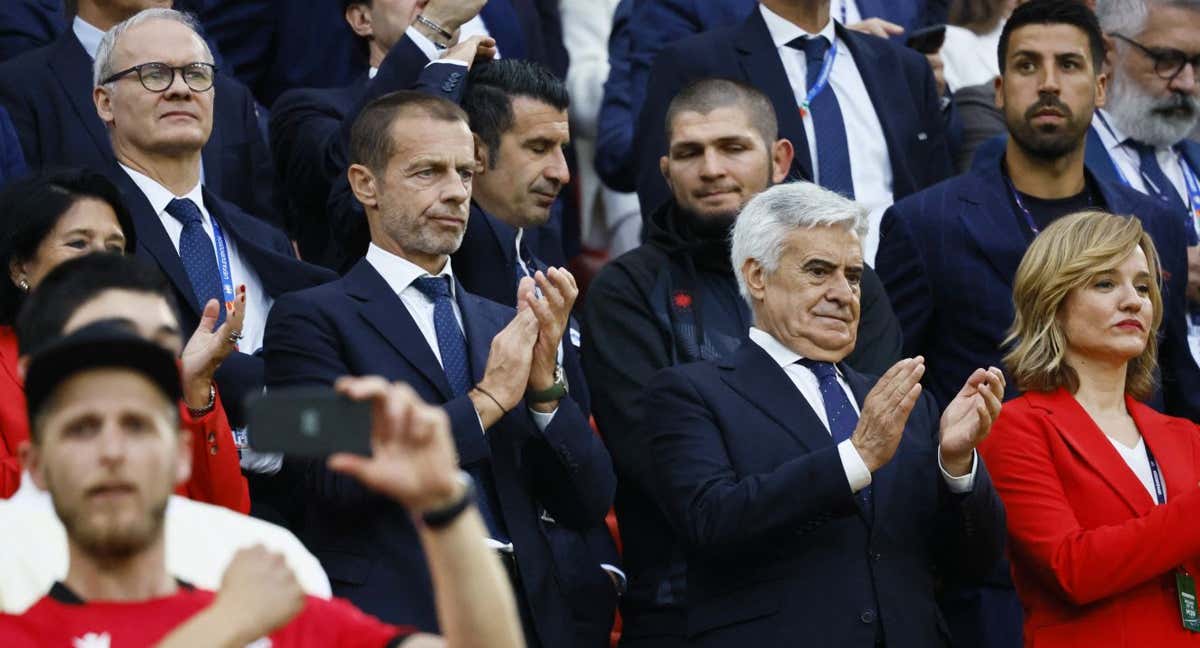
[441, 518]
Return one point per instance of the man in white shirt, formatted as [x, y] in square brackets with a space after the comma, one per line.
[820, 516]
[1140, 138]
[401, 313]
[154, 90]
[48, 92]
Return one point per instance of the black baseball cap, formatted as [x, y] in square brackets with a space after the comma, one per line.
[103, 344]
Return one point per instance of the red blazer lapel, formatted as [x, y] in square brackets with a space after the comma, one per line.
[1172, 446]
[1081, 434]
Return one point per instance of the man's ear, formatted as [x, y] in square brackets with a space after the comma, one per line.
[998, 85]
[482, 155]
[782, 153]
[1101, 90]
[363, 184]
[102, 97]
[755, 276]
[32, 460]
[358, 15]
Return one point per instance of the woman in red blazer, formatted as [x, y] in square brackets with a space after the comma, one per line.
[1101, 491]
[55, 217]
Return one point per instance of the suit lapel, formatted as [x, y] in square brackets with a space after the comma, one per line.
[761, 381]
[1097, 159]
[880, 89]
[152, 239]
[1080, 432]
[762, 67]
[72, 67]
[384, 311]
[987, 215]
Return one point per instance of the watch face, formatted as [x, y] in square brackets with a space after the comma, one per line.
[560, 376]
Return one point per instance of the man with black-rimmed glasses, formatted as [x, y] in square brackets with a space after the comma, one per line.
[154, 91]
[1140, 137]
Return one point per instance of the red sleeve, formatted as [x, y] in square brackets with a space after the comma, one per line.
[345, 626]
[1085, 564]
[14, 426]
[216, 475]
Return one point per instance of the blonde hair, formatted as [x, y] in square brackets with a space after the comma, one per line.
[1067, 255]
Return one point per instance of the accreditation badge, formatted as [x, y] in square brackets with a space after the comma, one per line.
[1185, 585]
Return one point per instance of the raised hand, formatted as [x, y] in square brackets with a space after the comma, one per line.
[472, 50]
[885, 412]
[969, 417]
[413, 459]
[452, 14]
[258, 594]
[877, 27]
[553, 311]
[208, 348]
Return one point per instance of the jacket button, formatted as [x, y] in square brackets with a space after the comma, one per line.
[868, 616]
[875, 555]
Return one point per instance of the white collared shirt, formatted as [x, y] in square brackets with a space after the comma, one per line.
[1138, 462]
[258, 302]
[810, 388]
[1126, 158]
[432, 52]
[870, 165]
[400, 273]
[89, 36]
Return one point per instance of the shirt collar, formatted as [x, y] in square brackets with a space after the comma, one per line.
[88, 35]
[399, 273]
[784, 31]
[783, 356]
[159, 196]
[372, 72]
[1105, 123]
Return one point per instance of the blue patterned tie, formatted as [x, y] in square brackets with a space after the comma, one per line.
[838, 410]
[1150, 170]
[452, 345]
[833, 153]
[196, 253]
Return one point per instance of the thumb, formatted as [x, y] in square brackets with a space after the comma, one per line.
[891, 27]
[208, 319]
[348, 464]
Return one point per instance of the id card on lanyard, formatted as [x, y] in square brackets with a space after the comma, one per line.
[1185, 585]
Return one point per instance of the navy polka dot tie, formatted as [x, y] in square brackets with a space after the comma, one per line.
[838, 410]
[196, 253]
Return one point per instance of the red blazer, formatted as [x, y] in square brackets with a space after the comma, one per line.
[1093, 556]
[216, 476]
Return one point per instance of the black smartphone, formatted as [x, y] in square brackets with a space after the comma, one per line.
[927, 40]
[312, 422]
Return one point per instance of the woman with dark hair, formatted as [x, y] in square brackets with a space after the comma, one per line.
[57, 216]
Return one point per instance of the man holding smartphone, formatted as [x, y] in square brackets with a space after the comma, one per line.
[401, 313]
[108, 446]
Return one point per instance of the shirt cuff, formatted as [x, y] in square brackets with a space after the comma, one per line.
[542, 419]
[423, 43]
[962, 484]
[856, 469]
[622, 580]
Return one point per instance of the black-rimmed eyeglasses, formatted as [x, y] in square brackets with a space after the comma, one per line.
[1168, 61]
[157, 77]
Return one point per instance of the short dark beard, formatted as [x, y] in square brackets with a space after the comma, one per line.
[1048, 145]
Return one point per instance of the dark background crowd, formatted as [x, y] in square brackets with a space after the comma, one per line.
[581, 257]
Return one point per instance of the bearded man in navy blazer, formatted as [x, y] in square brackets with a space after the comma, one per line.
[400, 313]
[154, 88]
[873, 132]
[815, 504]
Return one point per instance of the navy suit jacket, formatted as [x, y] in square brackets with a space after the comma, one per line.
[263, 247]
[948, 257]
[898, 79]
[358, 326]
[1100, 163]
[12, 162]
[48, 93]
[29, 24]
[777, 547]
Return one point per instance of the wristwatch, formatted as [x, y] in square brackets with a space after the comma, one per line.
[552, 393]
[441, 518]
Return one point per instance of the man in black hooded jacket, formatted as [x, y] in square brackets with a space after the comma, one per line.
[673, 300]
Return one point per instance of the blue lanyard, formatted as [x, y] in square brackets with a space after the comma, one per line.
[822, 78]
[1160, 491]
[1021, 205]
[1193, 191]
[844, 2]
[222, 264]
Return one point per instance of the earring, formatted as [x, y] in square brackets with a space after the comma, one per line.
[24, 285]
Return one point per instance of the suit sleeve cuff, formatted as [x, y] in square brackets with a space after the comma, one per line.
[962, 484]
[542, 419]
[856, 470]
[423, 43]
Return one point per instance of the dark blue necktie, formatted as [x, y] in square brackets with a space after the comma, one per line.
[839, 411]
[833, 153]
[452, 345]
[1158, 186]
[196, 253]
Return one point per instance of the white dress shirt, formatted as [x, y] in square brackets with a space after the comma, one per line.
[810, 388]
[400, 274]
[200, 541]
[1139, 462]
[258, 302]
[870, 165]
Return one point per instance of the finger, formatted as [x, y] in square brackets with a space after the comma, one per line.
[525, 288]
[236, 312]
[991, 401]
[542, 310]
[890, 28]
[908, 401]
[208, 318]
[361, 388]
[999, 382]
[348, 464]
[550, 291]
[566, 284]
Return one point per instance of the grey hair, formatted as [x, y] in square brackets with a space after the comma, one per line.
[1128, 17]
[103, 68]
[769, 217]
